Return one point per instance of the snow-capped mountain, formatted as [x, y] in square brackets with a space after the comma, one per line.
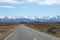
[29, 19]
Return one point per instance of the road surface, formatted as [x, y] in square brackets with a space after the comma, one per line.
[25, 33]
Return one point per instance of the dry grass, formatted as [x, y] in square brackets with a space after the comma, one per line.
[7, 28]
[52, 28]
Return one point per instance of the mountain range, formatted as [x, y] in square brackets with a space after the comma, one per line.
[29, 19]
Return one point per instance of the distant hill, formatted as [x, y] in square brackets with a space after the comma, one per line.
[29, 19]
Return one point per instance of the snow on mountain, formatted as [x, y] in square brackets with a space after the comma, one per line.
[29, 19]
[12, 17]
[1, 17]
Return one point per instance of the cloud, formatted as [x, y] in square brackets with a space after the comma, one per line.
[30, 0]
[10, 1]
[7, 7]
[41, 2]
[45, 2]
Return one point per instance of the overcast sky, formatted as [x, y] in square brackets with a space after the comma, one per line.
[29, 7]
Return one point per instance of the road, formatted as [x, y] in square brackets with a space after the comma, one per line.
[23, 32]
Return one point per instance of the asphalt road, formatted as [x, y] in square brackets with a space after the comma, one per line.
[25, 33]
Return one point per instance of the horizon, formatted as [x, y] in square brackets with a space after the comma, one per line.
[29, 16]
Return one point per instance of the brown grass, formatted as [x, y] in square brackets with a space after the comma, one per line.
[6, 28]
[52, 28]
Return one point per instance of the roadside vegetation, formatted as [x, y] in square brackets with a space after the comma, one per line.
[6, 28]
[51, 28]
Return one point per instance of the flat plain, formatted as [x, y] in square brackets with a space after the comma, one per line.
[51, 28]
[6, 28]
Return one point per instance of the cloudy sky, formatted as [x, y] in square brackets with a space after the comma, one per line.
[29, 7]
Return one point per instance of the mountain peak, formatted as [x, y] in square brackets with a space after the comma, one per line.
[30, 18]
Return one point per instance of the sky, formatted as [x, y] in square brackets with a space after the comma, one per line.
[29, 7]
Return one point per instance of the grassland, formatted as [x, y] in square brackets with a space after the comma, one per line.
[51, 28]
[6, 28]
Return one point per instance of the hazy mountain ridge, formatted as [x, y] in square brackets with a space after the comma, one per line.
[29, 19]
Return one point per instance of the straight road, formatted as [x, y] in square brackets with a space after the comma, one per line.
[25, 33]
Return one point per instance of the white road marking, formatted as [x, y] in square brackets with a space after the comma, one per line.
[8, 36]
[34, 38]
